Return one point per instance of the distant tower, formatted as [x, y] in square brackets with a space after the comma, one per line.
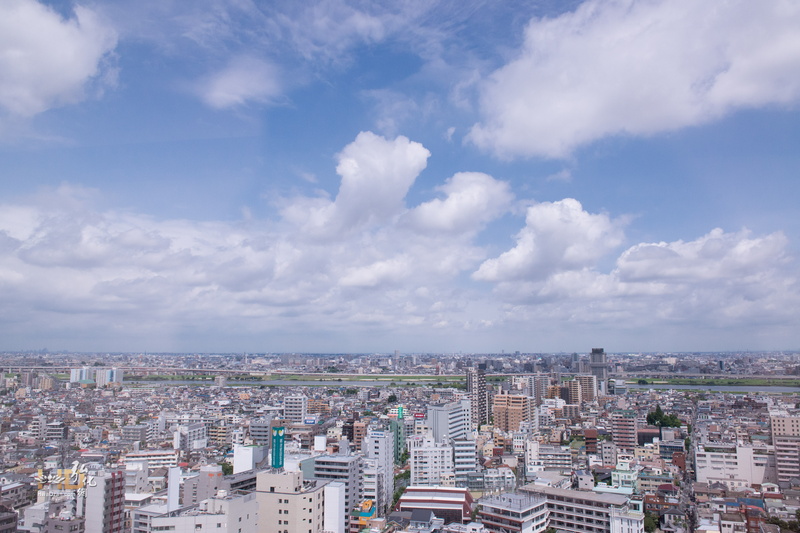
[479, 399]
[599, 368]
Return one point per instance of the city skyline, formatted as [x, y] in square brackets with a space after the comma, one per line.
[428, 177]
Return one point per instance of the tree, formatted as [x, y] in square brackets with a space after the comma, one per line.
[658, 418]
[642, 382]
[399, 492]
[392, 398]
[650, 522]
[227, 469]
[655, 418]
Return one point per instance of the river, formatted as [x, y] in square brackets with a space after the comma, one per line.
[333, 383]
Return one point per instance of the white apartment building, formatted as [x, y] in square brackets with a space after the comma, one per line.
[514, 513]
[465, 460]
[155, 459]
[289, 504]
[449, 420]
[734, 465]
[347, 469]
[378, 481]
[223, 514]
[295, 408]
[431, 463]
[190, 437]
[576, 511]
[786, 439]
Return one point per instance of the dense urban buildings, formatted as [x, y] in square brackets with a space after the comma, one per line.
[392, 443]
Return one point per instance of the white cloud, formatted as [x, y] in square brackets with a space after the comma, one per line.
[472, 200]
[243, 81]
[714, 283]
[389, 271]
[715, 256]
[47, 61]
[376, 175]
[557, 236]
[638, 67]
[328, 28]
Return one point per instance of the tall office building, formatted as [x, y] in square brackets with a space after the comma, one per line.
[510, 410]
[478, 396]
[599, 367]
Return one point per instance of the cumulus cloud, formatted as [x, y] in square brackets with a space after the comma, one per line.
[376, 175]
[390, 270]
[717, 281]
[717, 255]
[638, 67]
[323, 263]
[244, 80]
[472, 199]
[47, 61]
[557, 236]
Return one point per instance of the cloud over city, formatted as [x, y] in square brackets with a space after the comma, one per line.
[387, 265]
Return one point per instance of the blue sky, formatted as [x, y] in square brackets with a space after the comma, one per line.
[420, 176]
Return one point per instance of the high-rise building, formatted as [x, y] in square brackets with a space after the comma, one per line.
[537, 387]
[189, 437]
[288, 503]
[623, 429]
[431, 463]
[398, 429]
[378, 479]
[449, 420]
[478, 396]
[465, 461]
[786, 439]
[295, 408]
[599, 367]
[588, 383]
[347, 469]
[107, 376]
[105, 501]
[511, 410]
[574, 392]
[359, 433]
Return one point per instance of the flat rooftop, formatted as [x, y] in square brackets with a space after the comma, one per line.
[616, 500]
